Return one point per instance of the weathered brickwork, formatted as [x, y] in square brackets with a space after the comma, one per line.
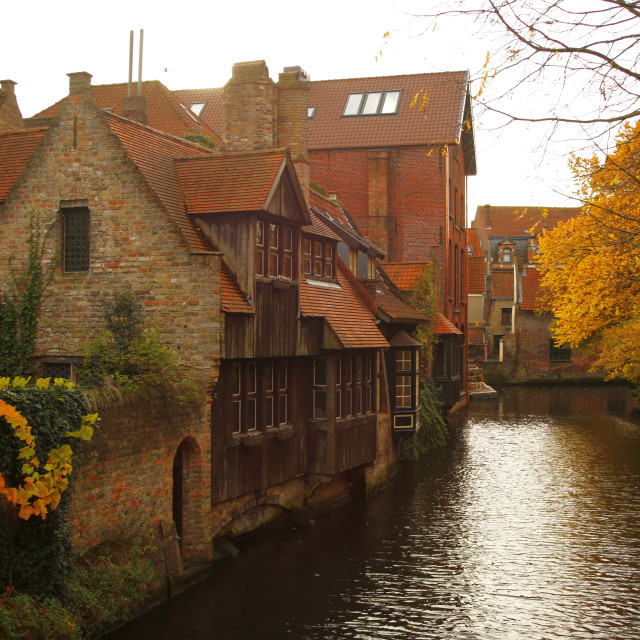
[10, 116]
[124, 482]
[132, 241]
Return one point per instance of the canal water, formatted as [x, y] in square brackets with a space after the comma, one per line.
[526, 527]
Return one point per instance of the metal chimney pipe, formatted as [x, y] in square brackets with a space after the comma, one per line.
[130, 89]
[140, 64]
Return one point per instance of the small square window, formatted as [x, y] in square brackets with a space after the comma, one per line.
[311, 111]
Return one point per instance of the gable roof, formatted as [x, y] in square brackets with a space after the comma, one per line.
[438, 119]
[16, 148]
[473, 241]
[405, 274]
[502, 283]
[445, 327]
[155, 154]
[393, 309]
[520, 222]
[232, 298]
[344, 311]
[234, 181]
[530, 283]
[438, 122]
[165, 112]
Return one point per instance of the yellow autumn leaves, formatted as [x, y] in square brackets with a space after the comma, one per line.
[591, 263]
[42, 485]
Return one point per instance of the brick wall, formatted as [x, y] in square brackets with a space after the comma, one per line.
[10, 116]
[123, 483]
[132, 241]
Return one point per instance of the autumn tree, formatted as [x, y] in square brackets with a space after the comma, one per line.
[591, 263]
[559, 60]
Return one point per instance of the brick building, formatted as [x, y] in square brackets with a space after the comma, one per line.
[397, 151]
[308, 371]
[516, 328]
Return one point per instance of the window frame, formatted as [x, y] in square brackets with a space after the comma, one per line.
[318, 258]
[276, 250]
[73, 214]
[352, 109]
[558, 353]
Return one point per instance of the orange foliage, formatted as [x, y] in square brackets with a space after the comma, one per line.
[591, 262]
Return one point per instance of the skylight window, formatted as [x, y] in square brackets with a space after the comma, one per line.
[372, 103]
[311, 111]
[198, 107]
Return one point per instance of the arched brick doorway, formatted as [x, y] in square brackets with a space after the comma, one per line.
[188, 500]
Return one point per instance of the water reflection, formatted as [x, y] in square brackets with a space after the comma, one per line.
[526, 527]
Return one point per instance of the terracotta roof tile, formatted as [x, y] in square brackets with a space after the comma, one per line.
[444, 326]
[165, 112]
[233, 300]
[396, 309]
[439, 122]
[521, 222]
[405, 274]
[344, 311]
[476, 271]
[319, 227]
[473, 241]
[231, 181]
[16, 148]
[530, 287]
[212, 112]
[155, 154]
[502, 284]
[403, 339]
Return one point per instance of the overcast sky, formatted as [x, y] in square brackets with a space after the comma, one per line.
[193, 44]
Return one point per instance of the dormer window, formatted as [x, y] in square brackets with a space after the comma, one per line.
[372, 103]
[371, 268]
[275, 250]
[318, 258]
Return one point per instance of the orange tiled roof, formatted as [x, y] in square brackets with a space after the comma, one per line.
[233, 300]
[502, 284]
[521, 222]
[439, 122]
[444, 326]
[530, 287]
[344, 311]
[230, 182]
[395, 309]
[164, 109]
[155, 154]
[473, 241]
[476, 271]
[212, 112]
[405, 274]
[16, 148]
[319, 227]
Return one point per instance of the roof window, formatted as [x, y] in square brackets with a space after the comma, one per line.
[198, 107]
[311, 111]
[372, 103]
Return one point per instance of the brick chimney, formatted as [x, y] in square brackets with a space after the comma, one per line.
[10, 116]
[80, 84]
[135, 108]
[249, 109]
[293, 122]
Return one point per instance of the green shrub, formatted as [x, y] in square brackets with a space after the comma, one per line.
[130, 357]
[433, 431]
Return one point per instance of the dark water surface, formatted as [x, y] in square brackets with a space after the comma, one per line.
[526, 527]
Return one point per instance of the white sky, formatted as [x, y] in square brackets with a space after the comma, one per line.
[193, 44]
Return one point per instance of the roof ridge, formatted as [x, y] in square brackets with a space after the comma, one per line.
[398, 75]
[162, 134]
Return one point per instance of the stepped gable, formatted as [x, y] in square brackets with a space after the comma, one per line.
[344, 310]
